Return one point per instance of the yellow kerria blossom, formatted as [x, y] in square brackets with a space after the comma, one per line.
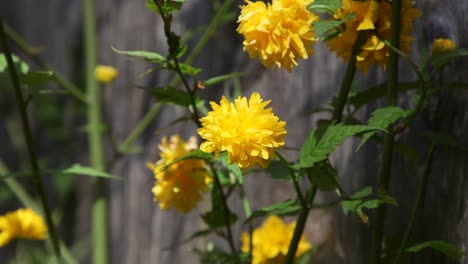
[277, 33]
[181, 184]
[248, 132]
[22, 223]
[270, 242]
[375, 17]
[442, 46]
[105, 74]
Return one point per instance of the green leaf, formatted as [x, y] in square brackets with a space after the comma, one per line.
[272, 209]
[173, 96]
[382, 118]
[361, 200]
[322, 27]
[37, 78]
[364, 97]
[233, 168]
[447, 58]
[216, 218]
[82, 170]
[185, 68]
[152, 56]
[323, 175]
[221, 78]
[306, 257]
[167, 6]
[20, 66]
[196, 154]
[279, 170]
[314, 151]
[325, 6]
[443, 247]
[215, 255]
[443, 139]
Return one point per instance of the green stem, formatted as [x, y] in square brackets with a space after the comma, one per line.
[417, 202]
[219, 186]
[99, 208]
[34, 54]
[248, 213]
[379, 220]
[36, 176]
[348, 78]
[300, 225]
[300, 196]
[151, 114]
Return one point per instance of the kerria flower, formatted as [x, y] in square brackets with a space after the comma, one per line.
[270, 242]
[376, 18]
[249, 133]
[277, 33]
[105, 74]
[22, 223]
[181, 184]
[442, 46]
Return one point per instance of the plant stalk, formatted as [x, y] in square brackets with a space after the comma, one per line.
[300, 225]
[95, 143]
[36, 176]
[384, 179]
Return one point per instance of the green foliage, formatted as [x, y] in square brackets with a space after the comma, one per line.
[360, 200]
[276, 209]
[150, 56]
[325, 6]
[306, 257]
[20, 66]
[323, 175]
[233, 168]
[167, 6]
[390, 251]
[328, 29]
[215, 255]
[315, 150]
[221, 78]
[445, 140]
[82, 170]
[174, 96]
[447, 58]
[37, 78]
[184, 68]
[196, 154]
[381, 119]
[217, 216]
[279, 170]
[443, 247]
[362, 98]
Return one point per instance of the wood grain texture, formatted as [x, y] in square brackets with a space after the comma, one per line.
[141, 233]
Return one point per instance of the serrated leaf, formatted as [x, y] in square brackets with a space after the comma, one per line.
[82, 170]
[443, 247]
[323, 175]
[323, 27]
[152, 56]
[272, 209]
[167, 6]
[37, 78]
[382, 118]
[221, 78]
[173, 96]
[325, 6]
[447, 58]
[196, 154]
[313, 151]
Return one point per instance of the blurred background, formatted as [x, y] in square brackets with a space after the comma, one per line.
[139, 231]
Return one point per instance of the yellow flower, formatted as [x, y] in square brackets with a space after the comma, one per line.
[22, 223]
[271, 241]
[277, 33]
[442, 46]
[375, 17]
[105, 74]
[181, 184]
[248, 132]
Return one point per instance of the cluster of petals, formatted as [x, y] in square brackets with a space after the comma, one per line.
[249, 133]
[270, 242]
[277, 33]
[23, 224]
[375, 17]
[181, 184]
[442, 46]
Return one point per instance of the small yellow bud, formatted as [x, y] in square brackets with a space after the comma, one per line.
[105, 74]
[442, 46]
